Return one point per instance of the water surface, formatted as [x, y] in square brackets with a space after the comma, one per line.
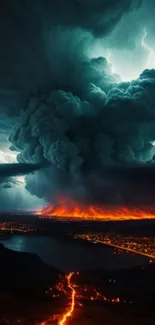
[72, 255]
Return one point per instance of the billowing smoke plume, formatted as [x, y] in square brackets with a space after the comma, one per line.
[8, 170]
[80, 138]
[87, 120]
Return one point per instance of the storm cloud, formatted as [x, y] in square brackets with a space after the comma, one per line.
[26, 27]
[7, 170]
[80, 138]
[76, 114]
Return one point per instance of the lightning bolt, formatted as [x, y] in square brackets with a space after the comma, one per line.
[151, 54]
[110, 62]
[113, 70]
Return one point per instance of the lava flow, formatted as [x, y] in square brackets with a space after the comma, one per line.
[62, 287]
[70, 209]
[69, 313]
[75, 294]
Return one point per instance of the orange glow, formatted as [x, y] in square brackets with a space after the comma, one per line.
[66, 288]
[72, 306]
[70, 209]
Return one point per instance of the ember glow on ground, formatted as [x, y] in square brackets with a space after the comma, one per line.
[68, 208]
[74, 294]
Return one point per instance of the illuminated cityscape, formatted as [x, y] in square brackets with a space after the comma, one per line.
[8, 226]
[139, 245]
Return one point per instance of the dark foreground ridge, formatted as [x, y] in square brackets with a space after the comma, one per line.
[25, 273]
[33, 292]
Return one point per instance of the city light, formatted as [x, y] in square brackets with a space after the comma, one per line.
[138, 245]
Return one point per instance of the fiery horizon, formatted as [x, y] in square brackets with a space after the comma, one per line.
[69, 208]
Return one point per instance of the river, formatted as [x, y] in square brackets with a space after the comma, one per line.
[72, 255]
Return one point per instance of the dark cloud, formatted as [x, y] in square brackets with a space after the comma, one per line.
[80, 118]
[80, 138]
[15, 169]
[25, 24]
[137, 184]
[95, 15]
[138, 174]
[9, 182]
[7, 186]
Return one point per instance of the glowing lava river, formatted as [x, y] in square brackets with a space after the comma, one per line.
[69, 313]
[62, 320]
[74, 294]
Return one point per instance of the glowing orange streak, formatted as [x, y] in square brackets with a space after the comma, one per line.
[109, 243]
[125, 248]
[72, 306]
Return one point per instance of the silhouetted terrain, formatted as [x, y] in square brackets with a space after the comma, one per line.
[134, 286]
[25, 272]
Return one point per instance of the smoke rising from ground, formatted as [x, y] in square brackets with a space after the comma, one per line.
[80, 138]
[81, 119]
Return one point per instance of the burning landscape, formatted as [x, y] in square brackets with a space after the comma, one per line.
[67, 208]
[77, 162]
